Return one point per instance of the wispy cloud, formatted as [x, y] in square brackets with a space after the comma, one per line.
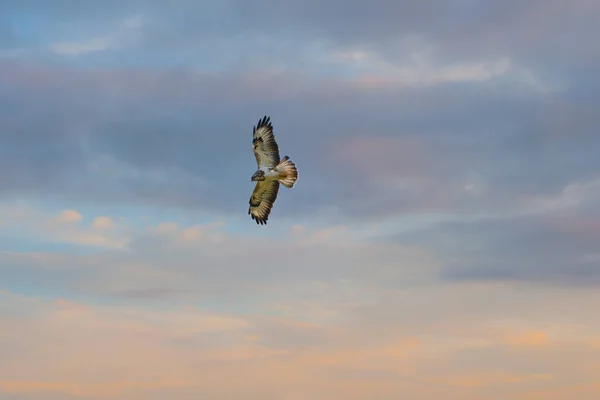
[376, 73]
[78, 48]
[68, 226]
[125, 34]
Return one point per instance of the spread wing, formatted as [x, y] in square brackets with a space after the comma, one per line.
[265, 147]
[262, 200]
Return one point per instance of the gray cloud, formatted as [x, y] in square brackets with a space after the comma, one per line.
[536, 31]
[552, 36]
[557, 248]
[183, 135]
[178, 137]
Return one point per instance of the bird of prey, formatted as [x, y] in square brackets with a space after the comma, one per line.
[270, 173]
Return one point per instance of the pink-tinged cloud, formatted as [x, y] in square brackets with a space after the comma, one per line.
[65, 227]
[389, 76]
[486, 379]
[70, 216]
[384, 157]
[110, 352]
[528, 339]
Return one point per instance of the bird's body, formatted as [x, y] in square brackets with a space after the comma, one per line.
[270, 174]
[272, 171]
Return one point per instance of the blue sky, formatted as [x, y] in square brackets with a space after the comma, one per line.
[442, 238]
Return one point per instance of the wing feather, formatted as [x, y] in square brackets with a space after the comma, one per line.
[265, 147]
[262, 200]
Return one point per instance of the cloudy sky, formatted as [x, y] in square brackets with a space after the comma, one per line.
[443, 240]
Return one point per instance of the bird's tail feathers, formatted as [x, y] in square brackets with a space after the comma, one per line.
[288, 173]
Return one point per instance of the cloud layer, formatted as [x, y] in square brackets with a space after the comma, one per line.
[442, 239]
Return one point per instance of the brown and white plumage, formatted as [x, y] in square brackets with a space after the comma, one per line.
[262, 200]
[272, 171]
[266, 150]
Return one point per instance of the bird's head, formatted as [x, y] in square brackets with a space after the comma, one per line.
[258, 176]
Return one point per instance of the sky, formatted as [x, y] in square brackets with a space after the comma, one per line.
[443, 238]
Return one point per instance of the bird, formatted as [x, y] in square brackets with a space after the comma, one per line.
[271, 171]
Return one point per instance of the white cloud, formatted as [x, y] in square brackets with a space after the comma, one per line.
[379, 73]
[570, 196]
[125, 34]
[80, 48]
[415, 64]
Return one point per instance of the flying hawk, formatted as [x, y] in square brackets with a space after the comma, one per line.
[270, 173]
